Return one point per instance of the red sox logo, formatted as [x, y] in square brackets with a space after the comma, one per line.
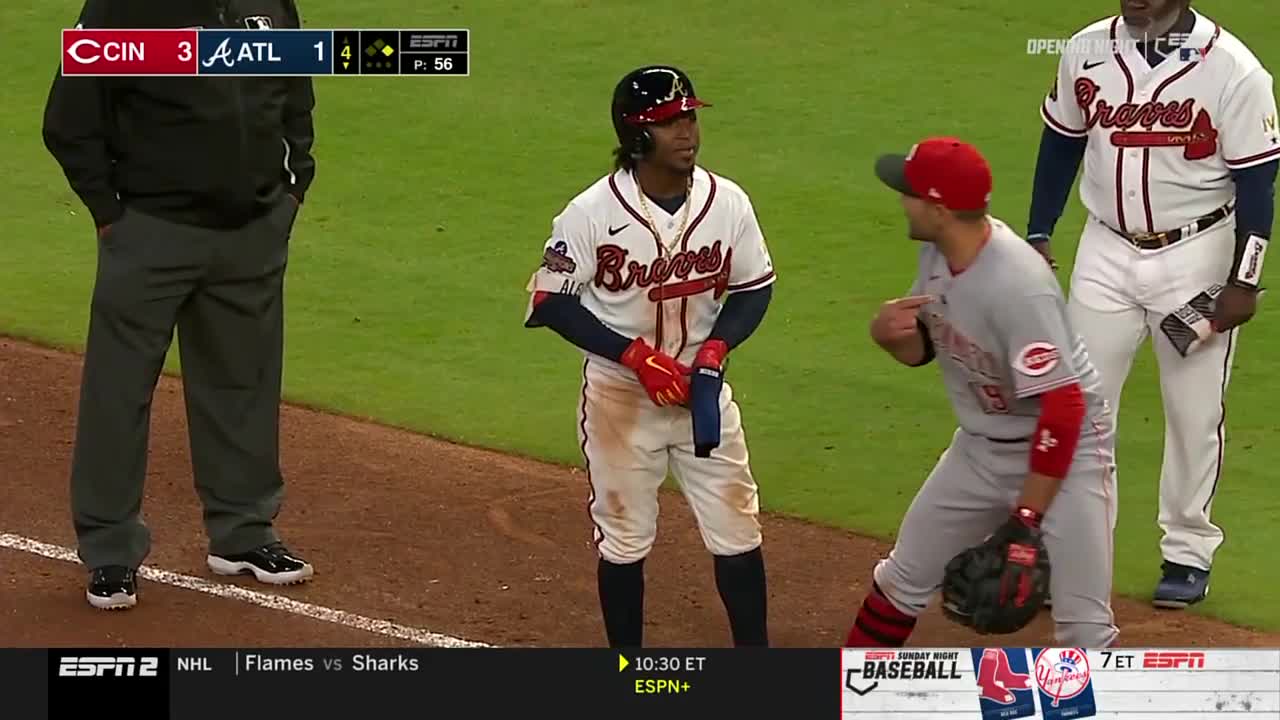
[1199, 139]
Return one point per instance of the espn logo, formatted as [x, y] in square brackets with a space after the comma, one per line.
[1189, 660]
[425, 41]
[108, 667]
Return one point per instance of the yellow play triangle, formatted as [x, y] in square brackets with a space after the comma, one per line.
[345, 64]
[622, 663]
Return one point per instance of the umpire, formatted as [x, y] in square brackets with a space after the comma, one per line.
[193, 184]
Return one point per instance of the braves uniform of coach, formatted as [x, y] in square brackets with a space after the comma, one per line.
[1175, 121]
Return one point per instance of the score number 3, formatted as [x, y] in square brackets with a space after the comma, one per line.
[184, 51]
[991, 397]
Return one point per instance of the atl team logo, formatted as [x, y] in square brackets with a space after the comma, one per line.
[1062, 674]
[557, 260]
[1150, 124]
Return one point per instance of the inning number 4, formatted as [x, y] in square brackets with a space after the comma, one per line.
[991, 397]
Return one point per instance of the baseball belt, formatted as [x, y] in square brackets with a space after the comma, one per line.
[1157, 240]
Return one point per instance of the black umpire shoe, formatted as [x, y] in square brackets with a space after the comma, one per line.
[272, 564]
[112, 587]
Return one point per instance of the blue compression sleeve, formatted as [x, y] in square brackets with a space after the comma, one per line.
[565, 315]
[1056, 168]
[1255, 199]
[741, 315]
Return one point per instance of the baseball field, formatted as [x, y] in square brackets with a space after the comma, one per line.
[404, 320]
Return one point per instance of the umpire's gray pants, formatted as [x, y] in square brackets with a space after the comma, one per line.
[223, 290]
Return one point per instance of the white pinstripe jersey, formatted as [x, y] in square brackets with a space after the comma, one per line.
[602, 249]
[1001, 335]
[1162, 140]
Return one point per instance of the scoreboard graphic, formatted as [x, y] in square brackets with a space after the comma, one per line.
[282, 53]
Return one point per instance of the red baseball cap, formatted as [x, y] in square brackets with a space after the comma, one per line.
[944, 170]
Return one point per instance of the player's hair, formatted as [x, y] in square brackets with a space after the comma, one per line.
[970, 215]
[622, 159]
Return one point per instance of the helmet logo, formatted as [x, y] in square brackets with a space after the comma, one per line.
[677, 89]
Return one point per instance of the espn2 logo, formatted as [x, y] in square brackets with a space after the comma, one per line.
[74, 666]
[1189, 660]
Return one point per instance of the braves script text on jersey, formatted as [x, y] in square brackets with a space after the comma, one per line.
[1161, 144]
[668, 289]
[1002, 338]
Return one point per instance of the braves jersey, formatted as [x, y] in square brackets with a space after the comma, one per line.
[1001, 335]
[1162, 140]
[657, 283]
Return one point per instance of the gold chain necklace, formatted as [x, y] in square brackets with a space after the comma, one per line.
[684, 215]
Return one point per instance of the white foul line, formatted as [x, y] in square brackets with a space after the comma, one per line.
[253, 597]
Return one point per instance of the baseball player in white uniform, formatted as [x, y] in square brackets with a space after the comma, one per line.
[656, 272]
[1031, 462]
[1175, 120]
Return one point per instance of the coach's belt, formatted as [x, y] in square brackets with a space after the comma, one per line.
[1155, 241]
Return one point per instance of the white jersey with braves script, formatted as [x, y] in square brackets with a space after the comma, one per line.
[658, 283]
[1001, 334]
[1162, 140]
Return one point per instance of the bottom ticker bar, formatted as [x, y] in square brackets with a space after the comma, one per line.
[216, 684]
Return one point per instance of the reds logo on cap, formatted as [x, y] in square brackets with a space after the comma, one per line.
[1037, 359]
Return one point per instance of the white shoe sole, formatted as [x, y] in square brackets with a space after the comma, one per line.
[118, 601]
[222, 566]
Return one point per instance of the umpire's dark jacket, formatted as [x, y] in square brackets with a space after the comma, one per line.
[207, 151]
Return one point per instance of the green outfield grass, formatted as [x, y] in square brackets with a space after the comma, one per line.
[434, 195]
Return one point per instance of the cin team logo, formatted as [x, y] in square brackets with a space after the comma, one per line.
[88, 51]
[1062, 674]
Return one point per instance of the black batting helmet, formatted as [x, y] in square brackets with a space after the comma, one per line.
[650, 94]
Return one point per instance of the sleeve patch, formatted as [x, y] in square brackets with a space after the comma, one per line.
[557, 260]
[1037, 359]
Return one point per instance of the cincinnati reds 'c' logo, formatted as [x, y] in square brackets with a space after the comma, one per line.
[1037, 359]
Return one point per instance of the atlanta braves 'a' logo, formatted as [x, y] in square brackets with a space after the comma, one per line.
[677, 90]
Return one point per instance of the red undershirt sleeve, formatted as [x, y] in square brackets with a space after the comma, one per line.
[1058, 431]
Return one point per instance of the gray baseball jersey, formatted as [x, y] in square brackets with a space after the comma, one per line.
[1002, 337]
[1001, 334]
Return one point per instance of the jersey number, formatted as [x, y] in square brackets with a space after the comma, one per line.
[991, 397]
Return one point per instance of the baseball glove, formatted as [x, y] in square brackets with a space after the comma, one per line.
[998, 587]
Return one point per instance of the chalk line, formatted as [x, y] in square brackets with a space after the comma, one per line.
[253, 597]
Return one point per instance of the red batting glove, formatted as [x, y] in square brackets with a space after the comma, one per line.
[666, 380]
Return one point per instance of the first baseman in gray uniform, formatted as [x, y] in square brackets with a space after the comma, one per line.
[1034, 449]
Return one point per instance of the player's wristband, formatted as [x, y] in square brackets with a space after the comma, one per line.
[1246, 265]
[1037, 238]
[929, 352]
[1029, 517]
[711, 354]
